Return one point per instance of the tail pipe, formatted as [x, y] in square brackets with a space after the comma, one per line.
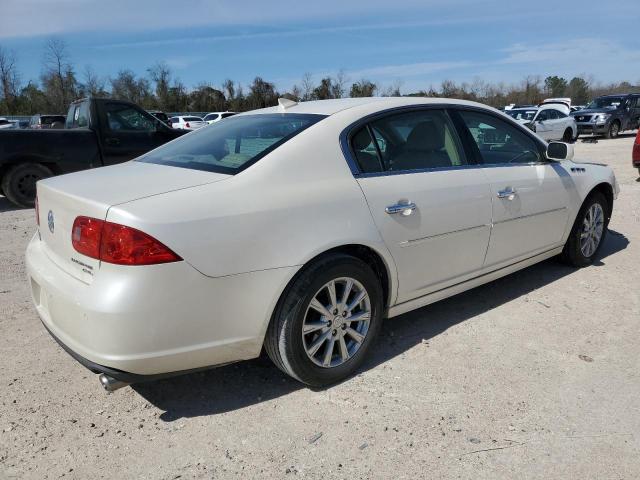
[111, 384]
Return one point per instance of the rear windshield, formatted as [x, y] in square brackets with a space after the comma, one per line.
[192, 119]
[233, 145]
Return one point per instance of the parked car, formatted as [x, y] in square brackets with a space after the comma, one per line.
[214, 117]
[98, 132]
[6, 124]
[609, 115]
[294, 228]
[39, 121]
[159, 115]
[635, 156]
[551, 121]
[187, 123]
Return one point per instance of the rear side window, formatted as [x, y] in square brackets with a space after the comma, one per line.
[498, 142]
[232, 145]
[78, 116]
[408, 141]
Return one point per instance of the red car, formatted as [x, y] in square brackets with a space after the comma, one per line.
[636, 152]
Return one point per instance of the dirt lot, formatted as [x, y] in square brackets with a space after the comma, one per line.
[532, 376]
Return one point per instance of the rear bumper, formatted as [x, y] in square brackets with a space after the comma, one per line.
[133, 322]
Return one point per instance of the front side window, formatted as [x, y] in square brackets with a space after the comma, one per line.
[232, 145]
[408, 141]
[498, 142]
[123, 117]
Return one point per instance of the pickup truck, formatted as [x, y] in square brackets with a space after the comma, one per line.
[609, 115]
[98, 132]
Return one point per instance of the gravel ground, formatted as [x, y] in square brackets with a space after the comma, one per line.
[532, 376]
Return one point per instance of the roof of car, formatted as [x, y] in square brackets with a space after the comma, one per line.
[330, 107]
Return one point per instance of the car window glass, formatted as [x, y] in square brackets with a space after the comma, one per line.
[499, 142]
[365, 151]
[124, 117]
[543, 115]
[233, 144]
[417, 140]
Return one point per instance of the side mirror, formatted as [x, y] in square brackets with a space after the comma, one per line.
[559, 151]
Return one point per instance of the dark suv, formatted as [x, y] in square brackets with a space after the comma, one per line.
[609, 115]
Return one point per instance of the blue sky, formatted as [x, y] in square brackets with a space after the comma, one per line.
[408, 42]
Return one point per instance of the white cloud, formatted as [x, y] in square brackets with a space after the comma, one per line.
[20, 18]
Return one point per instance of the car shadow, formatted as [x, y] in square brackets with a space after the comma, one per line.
[242, 384]
[7, 206]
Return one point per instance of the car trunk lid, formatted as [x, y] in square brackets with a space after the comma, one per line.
[91, 193]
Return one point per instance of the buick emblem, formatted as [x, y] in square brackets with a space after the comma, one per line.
[50, 221]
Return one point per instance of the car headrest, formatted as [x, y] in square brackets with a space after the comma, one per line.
[426, 136]
[361, 140]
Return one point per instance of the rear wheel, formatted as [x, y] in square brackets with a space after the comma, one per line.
[326, 321]
[588, 232]
[19, 183]
[568, 136]
[614, 130]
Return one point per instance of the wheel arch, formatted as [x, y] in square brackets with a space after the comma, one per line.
[605, 189]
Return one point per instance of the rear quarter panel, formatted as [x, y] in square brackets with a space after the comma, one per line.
[295, 203]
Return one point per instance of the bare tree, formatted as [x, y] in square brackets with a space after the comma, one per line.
[160, 74]
[9, 81]
[93, 85]
[58, 77]
[307, 86]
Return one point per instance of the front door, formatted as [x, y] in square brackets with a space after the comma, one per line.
[432, 208]
[530, 195]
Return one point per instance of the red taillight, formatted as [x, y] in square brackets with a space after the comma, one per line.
[119, 244]
[37, 212]
[86, 235]
[187, 125]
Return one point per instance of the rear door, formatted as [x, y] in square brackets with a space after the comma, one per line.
[127, 132]
[431, 206]
[530, 195]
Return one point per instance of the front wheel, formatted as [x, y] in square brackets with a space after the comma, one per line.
[588, 232]
[614, 130]
[326, 321]
[568, 136]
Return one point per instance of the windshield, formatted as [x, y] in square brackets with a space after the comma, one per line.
[606, 102]
[233, 145]
[522, 114]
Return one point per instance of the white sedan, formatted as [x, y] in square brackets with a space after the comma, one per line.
[551, 121]
[187, 122]
[298, 228]
[214, 117]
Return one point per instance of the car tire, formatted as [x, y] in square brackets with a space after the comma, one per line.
[568, 136]
[614, 130]
[333, 347]
[588, 233]
[19, 183]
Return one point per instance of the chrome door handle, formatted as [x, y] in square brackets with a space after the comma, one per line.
[508, 193]
[403, 208]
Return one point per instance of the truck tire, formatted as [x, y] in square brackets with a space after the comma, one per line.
[19, 183]
[614, 130]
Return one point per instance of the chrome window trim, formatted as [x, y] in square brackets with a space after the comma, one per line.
[346, 134]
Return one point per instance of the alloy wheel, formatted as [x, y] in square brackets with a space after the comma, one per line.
[592, 228]
[336, 322]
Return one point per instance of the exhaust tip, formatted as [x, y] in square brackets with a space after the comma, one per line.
[111, 384]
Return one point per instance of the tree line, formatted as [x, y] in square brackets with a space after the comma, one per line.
[60, 83]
